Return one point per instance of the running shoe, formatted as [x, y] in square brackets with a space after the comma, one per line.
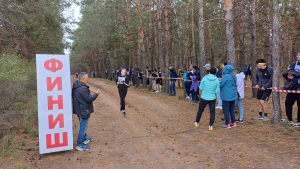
[296, 124]
[233, 124]
[196, 124]
[226, 126]
[82, 148]
[291, 122]
[259, 117]
[87, 141]
[210, 128]
[124, 113]
[240, 121]
[265, 118]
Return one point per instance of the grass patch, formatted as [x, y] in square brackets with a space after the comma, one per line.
[31, 130]
[23, 144]
[287, 126]
[6, 146]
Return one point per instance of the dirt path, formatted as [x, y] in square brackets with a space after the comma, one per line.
[158, 132]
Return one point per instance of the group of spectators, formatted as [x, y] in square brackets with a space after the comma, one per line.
[224, 84]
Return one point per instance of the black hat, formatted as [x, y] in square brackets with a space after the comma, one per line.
[213, 71]
[170, 65]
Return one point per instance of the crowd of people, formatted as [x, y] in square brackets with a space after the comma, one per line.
[223, 84]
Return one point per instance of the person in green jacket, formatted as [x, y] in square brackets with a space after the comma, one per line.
[210, 86]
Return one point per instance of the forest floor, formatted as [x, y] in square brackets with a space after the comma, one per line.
[158, 132]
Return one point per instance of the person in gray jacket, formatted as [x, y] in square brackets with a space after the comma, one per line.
[83, 107]
[264, 76]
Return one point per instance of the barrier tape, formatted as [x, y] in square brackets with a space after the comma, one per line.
[274, 89]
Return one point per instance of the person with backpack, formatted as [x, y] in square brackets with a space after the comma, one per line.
[209, 86]
[123, 84]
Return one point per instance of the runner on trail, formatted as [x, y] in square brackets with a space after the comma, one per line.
[264, 76]
[123, 84]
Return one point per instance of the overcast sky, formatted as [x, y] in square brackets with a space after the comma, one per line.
[74, 14]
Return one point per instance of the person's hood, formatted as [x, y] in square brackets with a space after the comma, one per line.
[241, 75]
[78, 84]
[211, 77]
[228, 69]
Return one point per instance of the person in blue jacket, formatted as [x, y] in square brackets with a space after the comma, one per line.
[229, 95]
[209, 86]
[186, 84]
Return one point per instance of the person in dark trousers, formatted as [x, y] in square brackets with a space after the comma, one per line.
[141, 79]
[173, 74]
[195, 83]
[113, 74]
[106, 74]
[123, 84]
[246, 71]
[229, 95]
[132, 76]
[293, 83]
[249, 72]
[209, 86]
[159, 74]
[136, 78]
[83, 107]
[264, 76]
[148, 74]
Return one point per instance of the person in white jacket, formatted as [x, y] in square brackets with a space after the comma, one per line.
[240, 87]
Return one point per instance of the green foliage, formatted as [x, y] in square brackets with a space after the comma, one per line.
[33, 26]
[14, 68]
[5, 148]
[17, 78]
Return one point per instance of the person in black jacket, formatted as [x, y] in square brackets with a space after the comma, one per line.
[83, 107]
[123, 84]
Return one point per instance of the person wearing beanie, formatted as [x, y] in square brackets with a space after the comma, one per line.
[209, 86]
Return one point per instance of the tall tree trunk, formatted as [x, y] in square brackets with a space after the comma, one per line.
[267, 52]
[298, 37]
[223, 54]
[201, 40]
[193, 36]
[276, 66]
[242, 35]
[141, 44]
[167, 43]
[253, 48]
[212, 57]
[160, 46]
[186, 37]
[178, 34]
[150, 38]
[229, 33]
